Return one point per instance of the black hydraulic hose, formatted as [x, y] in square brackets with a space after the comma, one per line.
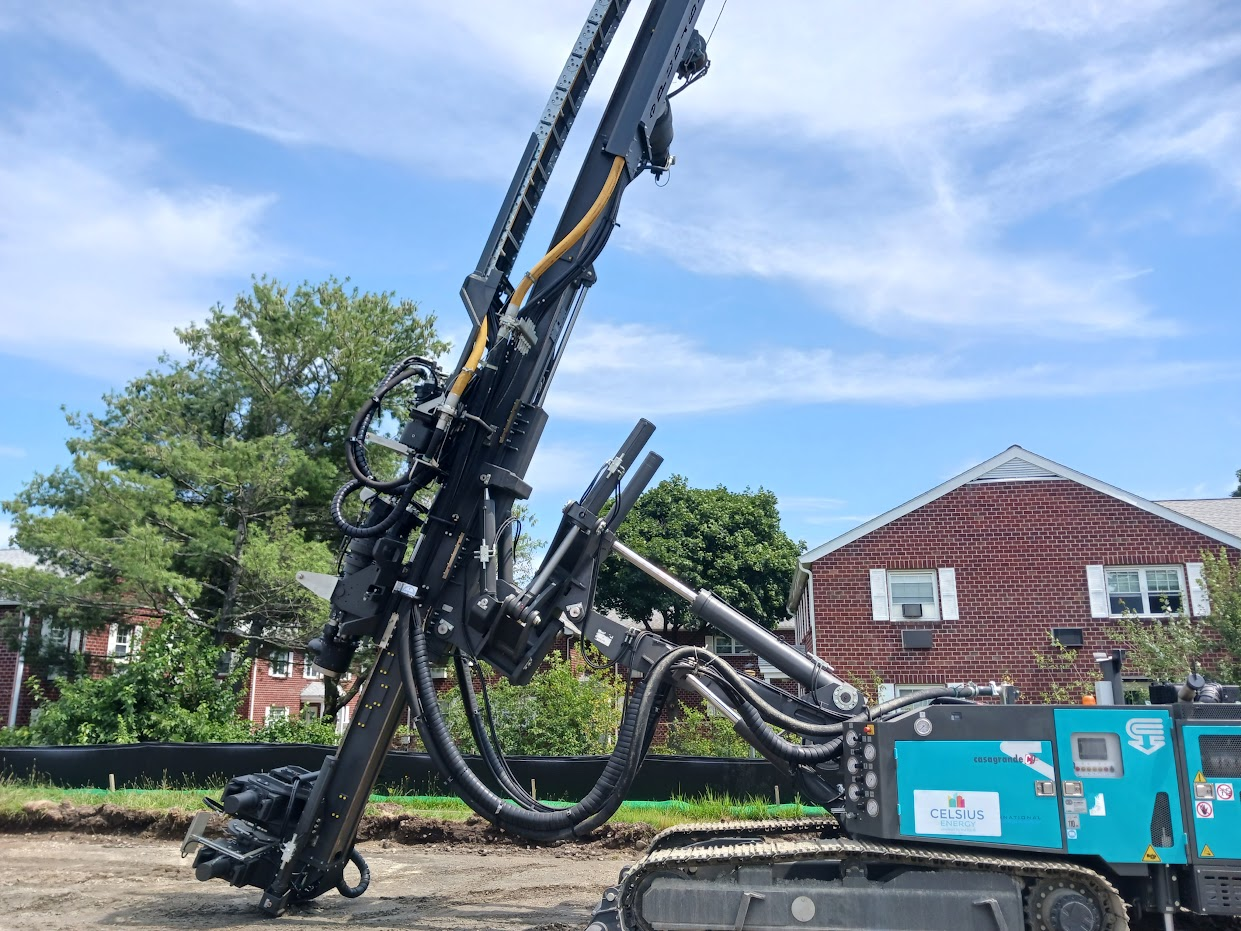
[487, 750]
[769, 712]
[374, 530]
[819, 753]
[560, 824]
[364, 877]
[355, 449]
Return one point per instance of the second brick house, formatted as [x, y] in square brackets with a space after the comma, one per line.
[974, 577]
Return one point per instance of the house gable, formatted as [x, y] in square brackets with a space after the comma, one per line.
[1012, 465]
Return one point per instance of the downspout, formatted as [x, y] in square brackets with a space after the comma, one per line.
[809, 595]
[254, 678]
[16, 698]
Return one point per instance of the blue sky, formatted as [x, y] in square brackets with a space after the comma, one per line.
[898, 238]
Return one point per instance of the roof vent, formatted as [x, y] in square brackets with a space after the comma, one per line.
[1016, 470]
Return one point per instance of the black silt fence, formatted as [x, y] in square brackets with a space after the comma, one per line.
[208, 765]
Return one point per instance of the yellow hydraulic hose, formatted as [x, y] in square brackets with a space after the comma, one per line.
[519, 295]
[570, 240]
[471, 362]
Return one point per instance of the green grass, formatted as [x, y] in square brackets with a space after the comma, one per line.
[15, 794]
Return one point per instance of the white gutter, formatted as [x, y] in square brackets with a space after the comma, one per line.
[16, 698]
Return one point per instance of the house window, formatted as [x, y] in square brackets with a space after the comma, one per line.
[308, 667]
[278, 665]
[120, 644]
[914, 594]
[724, 645]
[275, 713]
[342, 720]
[1145, 590]
[312, 711]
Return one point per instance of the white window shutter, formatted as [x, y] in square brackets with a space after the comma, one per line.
[1096, 581]
[111, 639]
[948, 610]
[879, 594]
[1199, 597]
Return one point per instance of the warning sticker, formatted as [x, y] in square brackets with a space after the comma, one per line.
[1207, 851]
[1204, 810]
[1151, 856]
[1076, 805]
[1200, 777]
[1224, 792]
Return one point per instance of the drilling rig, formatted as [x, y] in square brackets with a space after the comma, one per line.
[944, 812]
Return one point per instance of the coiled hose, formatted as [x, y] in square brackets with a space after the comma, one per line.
[561, 824]
[364, 877]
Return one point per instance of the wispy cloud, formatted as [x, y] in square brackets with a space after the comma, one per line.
[809, 510]
[886, 163]
[12, 452]
[616, 372]
[98, 262]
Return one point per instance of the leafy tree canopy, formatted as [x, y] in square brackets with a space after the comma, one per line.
[729, 542]
[204, 485]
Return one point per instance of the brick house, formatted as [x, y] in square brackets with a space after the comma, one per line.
[282, 683]
[42, 649]
[968, 580]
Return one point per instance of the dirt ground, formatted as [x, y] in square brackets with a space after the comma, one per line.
[70, 882]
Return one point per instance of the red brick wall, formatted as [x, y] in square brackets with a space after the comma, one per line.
[1020, 551]
[284, 692]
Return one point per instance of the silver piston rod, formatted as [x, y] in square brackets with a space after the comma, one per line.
[810, 671]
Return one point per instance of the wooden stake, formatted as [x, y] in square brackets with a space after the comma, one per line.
[534, 792]
[111, 782]
[777, 788]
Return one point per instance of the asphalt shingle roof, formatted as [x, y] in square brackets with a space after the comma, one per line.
[1224, 513]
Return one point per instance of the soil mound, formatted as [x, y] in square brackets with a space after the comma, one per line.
[391, 823]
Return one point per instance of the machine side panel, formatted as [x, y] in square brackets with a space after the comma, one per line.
[1127, 809]
[978, 791]
[1213, 762]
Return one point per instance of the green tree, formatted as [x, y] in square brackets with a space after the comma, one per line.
[204, 485]
[729, 542]
[169, 689]
[694, 732]
[561, 712]
[1169, 648]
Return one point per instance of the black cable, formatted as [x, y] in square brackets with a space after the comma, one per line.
[374, 530]
[560, 824]
[364, 877]
[492, 753]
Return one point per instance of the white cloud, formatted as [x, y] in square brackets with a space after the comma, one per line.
[428, 84]
[617, 372]
[99, 263]
[12, 452]
[881, 159]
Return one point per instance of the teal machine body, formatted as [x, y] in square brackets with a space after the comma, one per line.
[1145, 793]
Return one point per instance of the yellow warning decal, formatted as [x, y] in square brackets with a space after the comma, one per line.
[1200, 777]
[1150, 856]
[1207, 851]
